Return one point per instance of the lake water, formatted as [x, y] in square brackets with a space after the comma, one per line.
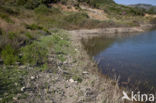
[130, 58]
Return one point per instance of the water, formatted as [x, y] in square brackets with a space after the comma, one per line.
[131, 58]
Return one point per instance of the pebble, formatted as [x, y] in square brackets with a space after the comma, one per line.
[76, 50]
[22, 89]
[22, 66]
[85, 72]
[71, 80]
[16, 84]
[14, 98]
[32, 77]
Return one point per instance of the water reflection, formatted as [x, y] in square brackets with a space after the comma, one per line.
[133, 58]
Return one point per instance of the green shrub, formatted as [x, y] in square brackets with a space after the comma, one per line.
[76, 18]
[21, 2]
[34, 54]
[55, 10]
[10, 83]
[34, 27]
[8, 55]
[31, 4]
[1, 32]
[77, 78]
[29, 36]
[11, 35]
[42, 9]
[8, 10]
[6, 17]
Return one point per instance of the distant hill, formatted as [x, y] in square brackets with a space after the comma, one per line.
[147, 7]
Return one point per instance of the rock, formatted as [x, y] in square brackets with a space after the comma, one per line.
[22, 89]
[50, 59]
[89, 92]
[16, 84]
[30, 68]
[85, 72]
[1, 60]
[76, 50]
[71, 80]
[65, 72]
[18, 63]
[32, 77]
[14, 98]
[22, 66]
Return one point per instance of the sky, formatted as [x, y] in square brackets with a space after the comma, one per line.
[127, 2]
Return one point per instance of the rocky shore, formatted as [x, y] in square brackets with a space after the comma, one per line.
[84, 33]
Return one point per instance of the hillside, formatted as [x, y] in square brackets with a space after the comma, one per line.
[148, 8]
[42, 62]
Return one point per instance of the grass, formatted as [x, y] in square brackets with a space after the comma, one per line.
[11, 80]
[8, 55]
[35, 54]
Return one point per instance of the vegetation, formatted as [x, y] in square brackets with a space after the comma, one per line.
[8, 55]
[26, 34]
[11, 80]
[34, 54]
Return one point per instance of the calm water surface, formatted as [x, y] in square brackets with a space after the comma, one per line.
[131, 58]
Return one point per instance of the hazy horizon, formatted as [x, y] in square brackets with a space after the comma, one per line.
[129, 2]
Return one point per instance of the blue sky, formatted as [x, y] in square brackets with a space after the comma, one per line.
[153, 2]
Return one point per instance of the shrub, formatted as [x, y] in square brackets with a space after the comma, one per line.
[42, 9]
[21, 2]
[33, 27]
[11, 35]
[8, 55]
[31, 4]
[34, 54]
[8, 10]
[1, 32]
[153, 21]
[6, 17]
[10, 83]
[29, 36]
[76, 18]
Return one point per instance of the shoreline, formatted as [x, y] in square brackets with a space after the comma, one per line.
[77, 35]
[84, 33]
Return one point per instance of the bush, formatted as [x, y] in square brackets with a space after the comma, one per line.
[1, 32]
[8, 55]
[34, 27]
[10, 83]
[21, 2]
[29, 36]
[31, 4]
[8, 10]
[42, 9]
[76, 18]
[11, 35]
[153, 21]
[6, 17]
[34, 54]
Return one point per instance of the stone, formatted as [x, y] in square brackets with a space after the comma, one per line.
[32, 77]
[14, 98]
[71, 80]
[22, 89]
[85, 72]
[22, 66]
